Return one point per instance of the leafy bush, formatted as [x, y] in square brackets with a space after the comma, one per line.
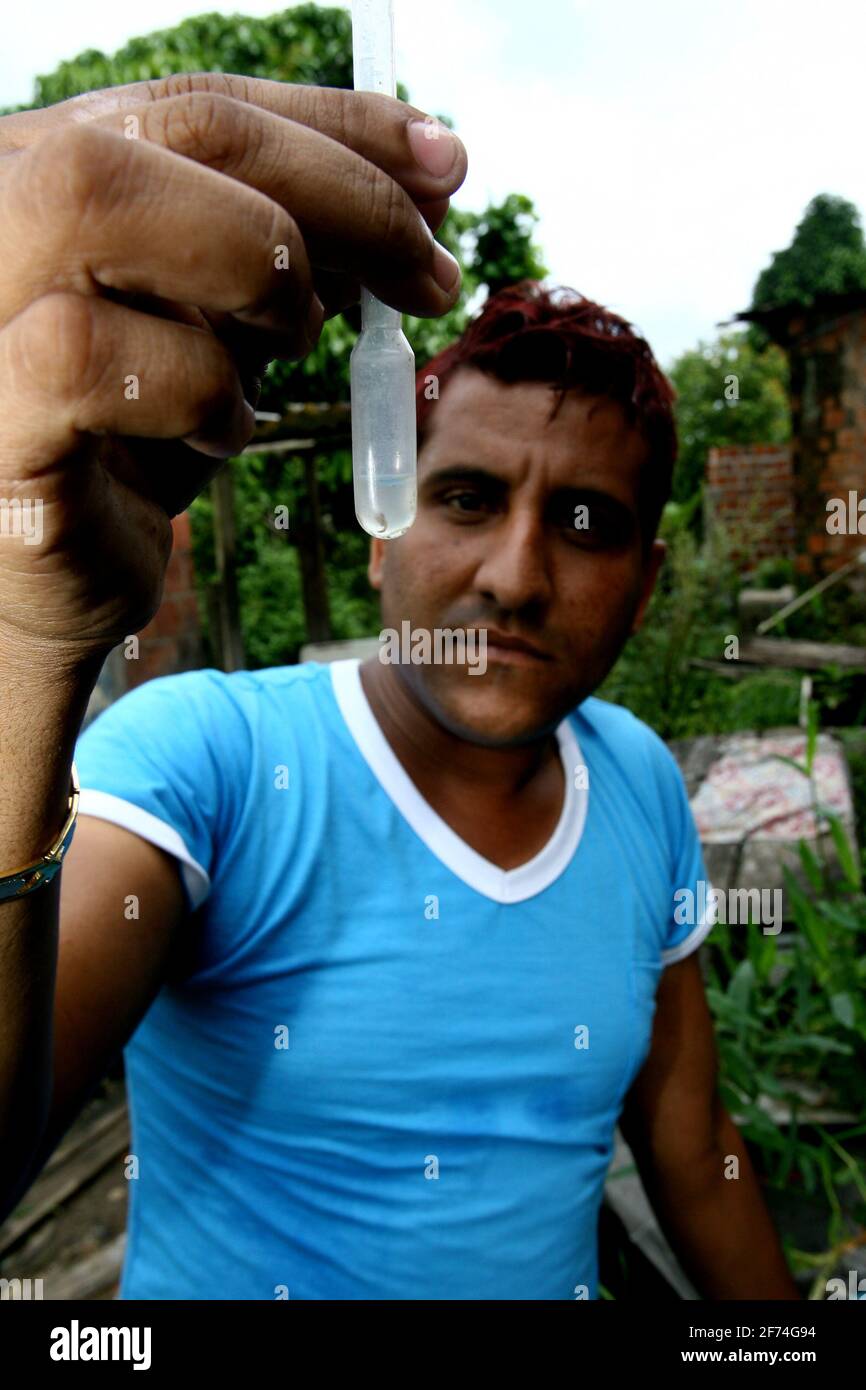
[708, 413]
[790, 1026]
[693, 615]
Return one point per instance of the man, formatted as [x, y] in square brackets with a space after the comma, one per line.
[392, 946]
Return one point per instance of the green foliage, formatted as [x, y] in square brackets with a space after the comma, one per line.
[494, 248]
[706, 418]
[271, 630]
[790, 1021]
[269, 580]
[826, 256]
[503, 249]
[854, 744]
[304, 44]
[838, 610]
[652, 677]
[692, 614]
[692, 617]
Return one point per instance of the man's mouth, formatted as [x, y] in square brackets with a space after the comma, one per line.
[510, 650]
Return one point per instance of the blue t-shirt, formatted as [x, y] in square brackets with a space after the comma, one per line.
[395, 1069]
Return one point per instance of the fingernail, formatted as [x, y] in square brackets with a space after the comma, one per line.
[315, 320]
[248, 422]
[446, 271]
[433, 145]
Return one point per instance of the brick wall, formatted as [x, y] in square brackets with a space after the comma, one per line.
[171, 642]
[749, 492]
[828, 406]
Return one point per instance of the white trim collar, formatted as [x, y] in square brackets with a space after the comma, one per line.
[502, 885]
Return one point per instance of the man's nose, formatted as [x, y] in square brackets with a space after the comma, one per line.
[514, 572]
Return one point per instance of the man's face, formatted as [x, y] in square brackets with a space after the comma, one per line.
[495, 545]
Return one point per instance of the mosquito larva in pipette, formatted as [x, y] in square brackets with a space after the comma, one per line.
[382, 364]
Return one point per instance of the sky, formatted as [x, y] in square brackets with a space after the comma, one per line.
[669, 146]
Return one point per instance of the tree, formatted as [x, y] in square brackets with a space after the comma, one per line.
[826, 256]
[727, 393]
[502, 251]
[303, 44]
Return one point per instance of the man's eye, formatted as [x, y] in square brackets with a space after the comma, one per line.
[463, 501]
[594, 525]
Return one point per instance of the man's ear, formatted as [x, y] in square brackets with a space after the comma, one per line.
[652, 565]
[375, 562]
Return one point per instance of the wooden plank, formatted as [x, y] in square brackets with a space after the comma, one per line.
[731, 670]
[89, 1277]
[285, 446]
[52, 1188]
[311, 556]
[232, 655]
[806, 656]
[326, 422]
[84, 1131]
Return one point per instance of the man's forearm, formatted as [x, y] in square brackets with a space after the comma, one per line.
[41, 711]
[718, 1225]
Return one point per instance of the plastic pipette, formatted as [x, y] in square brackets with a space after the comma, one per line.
[382, 364]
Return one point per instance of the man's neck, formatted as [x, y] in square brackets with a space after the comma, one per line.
[434, 756]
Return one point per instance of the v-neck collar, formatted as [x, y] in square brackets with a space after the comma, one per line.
[502, 885]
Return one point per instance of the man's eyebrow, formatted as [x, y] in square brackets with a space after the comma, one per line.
[592, 496]
[462, 473]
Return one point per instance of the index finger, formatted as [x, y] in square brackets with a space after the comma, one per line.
[415, 149]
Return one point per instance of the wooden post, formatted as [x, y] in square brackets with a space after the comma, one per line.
[231, 647]
[308, 429]
[311, 555]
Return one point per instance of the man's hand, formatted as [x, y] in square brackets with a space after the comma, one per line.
[683, 1140]
[160, 243]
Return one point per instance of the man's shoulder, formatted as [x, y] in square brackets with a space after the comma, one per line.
[614, 723]
[206, 709]
[620, 738]
[633, 770]
[208, 685]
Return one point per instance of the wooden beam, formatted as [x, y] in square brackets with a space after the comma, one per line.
[308, 419]
[731, 670]
[802, 656]
[232, 655]
[311, 555]
[284, 446]
[92, 1150]
[90, 1277]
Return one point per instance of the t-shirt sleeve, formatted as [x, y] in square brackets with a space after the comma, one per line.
[150, 763]
[692, 914]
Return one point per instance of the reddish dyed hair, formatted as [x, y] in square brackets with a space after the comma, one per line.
[529, 333]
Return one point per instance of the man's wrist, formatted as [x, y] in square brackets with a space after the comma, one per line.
[42, 709]
[41, 661]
